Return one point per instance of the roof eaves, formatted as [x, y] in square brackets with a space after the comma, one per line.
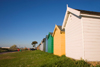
[60, 27]
[89, 12]
[51, 33]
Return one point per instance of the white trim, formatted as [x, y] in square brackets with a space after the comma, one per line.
[76, 12]
[63, 25]
[69, 10]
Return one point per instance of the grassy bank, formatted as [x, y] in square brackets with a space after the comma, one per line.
[38, 59]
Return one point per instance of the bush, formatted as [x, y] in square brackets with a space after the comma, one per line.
[64, 61]
[13, 47]
[97, 65]
[4, 50]
[81, 63]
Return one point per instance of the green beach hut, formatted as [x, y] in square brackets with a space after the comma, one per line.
[50, 43]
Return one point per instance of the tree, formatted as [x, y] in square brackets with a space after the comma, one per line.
[13, 47]
[34, 43]
[25, 48]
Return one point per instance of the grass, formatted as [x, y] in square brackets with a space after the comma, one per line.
[39, 59]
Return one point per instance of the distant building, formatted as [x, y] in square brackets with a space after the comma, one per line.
[5, 47]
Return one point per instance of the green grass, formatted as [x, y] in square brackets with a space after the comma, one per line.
[38, 59]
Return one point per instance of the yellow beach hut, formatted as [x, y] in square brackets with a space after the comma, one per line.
[59, 40]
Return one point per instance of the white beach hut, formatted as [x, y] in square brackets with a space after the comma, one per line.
[82, 34]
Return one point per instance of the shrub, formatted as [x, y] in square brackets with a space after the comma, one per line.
[4, 50]
[64, 61]
[97, 65]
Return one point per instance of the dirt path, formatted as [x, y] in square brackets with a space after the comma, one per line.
[8, 52]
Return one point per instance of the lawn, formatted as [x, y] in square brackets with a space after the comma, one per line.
[38, 58]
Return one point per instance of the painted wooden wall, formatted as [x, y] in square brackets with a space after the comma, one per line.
[63, 43]
[46, 48]
[41, 46]
[82, 36]
[73, 37]
[91, 33]
[44, 45]
[59, 42]
[50, 43]
[38, 47]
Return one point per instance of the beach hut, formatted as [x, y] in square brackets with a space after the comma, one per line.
[38, 47]
[82, 34]
[46, 42]
[59, 40]
[42, 45]
[50, 43]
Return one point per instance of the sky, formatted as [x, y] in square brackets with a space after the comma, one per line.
[24, 21]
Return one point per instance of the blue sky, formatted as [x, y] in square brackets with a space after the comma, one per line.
[24, 21]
